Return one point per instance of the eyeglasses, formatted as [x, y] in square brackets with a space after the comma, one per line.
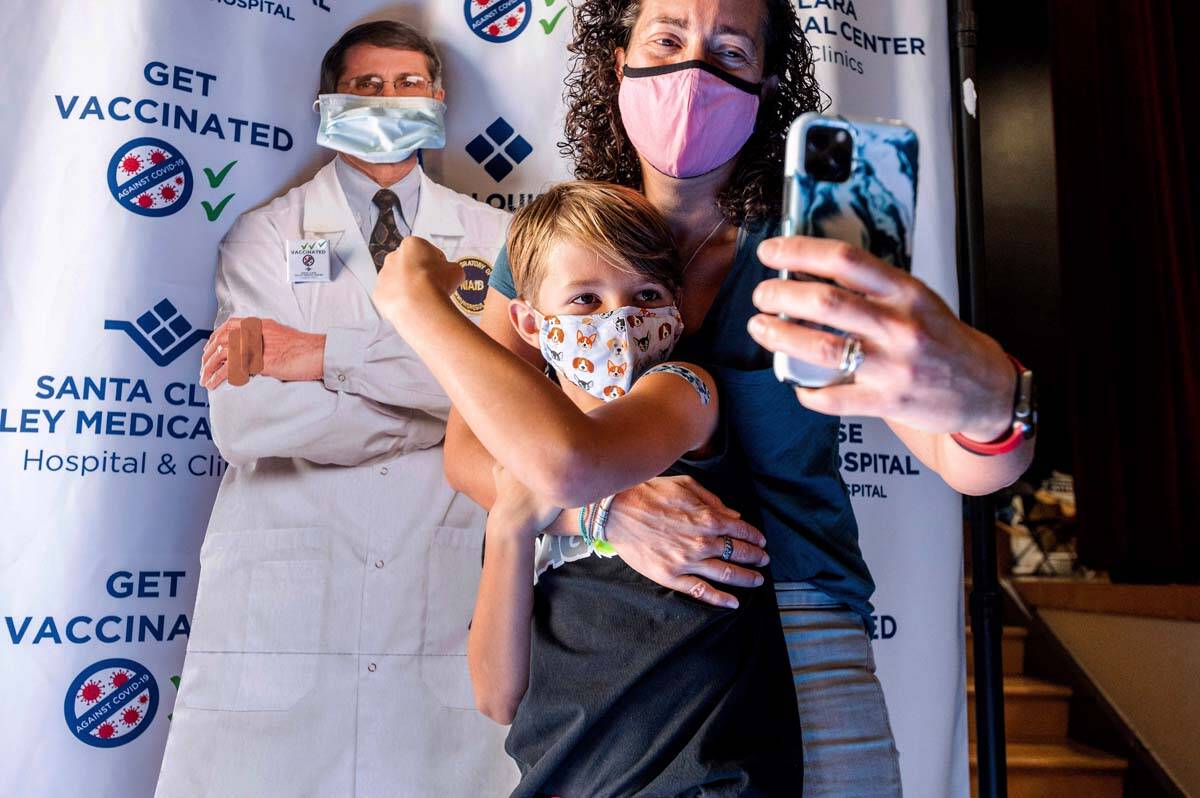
[405, 86]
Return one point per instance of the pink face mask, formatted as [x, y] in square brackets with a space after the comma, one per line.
[688, 118]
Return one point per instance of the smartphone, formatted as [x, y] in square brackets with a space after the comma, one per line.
[854, 180]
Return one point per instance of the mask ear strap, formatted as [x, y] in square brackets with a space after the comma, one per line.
[540, 316]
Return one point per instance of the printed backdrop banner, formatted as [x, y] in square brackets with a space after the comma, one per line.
[138, 131]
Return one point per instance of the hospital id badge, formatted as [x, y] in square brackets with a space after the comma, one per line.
[308, 260]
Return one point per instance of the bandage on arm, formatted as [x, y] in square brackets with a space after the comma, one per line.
[245, 351]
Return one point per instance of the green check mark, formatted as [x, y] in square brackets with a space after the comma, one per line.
[213, 212]
[215, 180]
[548, 26]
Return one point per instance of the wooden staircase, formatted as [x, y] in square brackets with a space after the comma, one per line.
[1042, 761]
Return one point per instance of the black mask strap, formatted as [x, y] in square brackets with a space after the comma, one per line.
[666, 69]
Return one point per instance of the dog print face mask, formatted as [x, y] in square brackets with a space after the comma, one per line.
[603, 353]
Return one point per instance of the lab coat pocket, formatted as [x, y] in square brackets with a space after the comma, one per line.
[453, 581]
[264, 599]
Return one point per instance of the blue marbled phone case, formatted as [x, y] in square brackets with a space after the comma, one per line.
[875, 209]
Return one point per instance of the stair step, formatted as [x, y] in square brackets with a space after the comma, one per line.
[1064, 768]
[1034, 710]
[1012, 650]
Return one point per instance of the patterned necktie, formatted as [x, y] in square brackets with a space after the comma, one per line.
[386, 236]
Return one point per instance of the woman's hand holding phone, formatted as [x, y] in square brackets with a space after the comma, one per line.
[922, 367]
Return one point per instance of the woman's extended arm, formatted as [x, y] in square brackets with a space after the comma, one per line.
[570, 457]
[925, 372]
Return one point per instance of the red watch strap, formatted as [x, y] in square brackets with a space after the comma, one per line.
[1001, 445]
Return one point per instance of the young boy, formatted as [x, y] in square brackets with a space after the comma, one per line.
[614, 685]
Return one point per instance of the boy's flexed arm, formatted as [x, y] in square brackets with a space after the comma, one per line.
[525, 421]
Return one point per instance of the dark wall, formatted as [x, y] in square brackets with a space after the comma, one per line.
[1022, 292]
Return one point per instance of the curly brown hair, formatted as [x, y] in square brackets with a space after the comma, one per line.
[596, 139]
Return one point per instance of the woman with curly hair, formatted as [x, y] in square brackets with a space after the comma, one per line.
[688, 101]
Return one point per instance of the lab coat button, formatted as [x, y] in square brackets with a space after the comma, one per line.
[383, 470]
[379, 563]
[341, 377]
[371, 667]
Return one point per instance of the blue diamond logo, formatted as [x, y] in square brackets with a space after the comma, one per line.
[163, 338]
[479, 148]
[499, 148]
[498, 168]
[499, 131]
[518, 149]
[165, 343]
[165, 310]
[180, 326]
[147, 321]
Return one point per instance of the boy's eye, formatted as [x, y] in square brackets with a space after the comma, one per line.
[649, 295]
[586, 299]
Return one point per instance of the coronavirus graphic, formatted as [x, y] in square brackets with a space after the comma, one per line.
[145, 200]
[90, 692]
[168, 193]
[157, 157]
[130, 164]
[131, 716]
[106, 730]
[119, 679]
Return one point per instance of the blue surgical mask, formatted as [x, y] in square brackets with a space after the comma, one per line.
[381, 129]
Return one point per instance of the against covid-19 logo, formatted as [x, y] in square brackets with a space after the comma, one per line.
[150, 177]
[498, 21]
[111, 703]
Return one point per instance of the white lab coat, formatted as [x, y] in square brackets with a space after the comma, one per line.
[339, 571]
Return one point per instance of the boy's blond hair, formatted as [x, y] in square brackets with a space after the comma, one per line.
[616, 222]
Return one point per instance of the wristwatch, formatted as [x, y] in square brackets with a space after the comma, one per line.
[1024, 425]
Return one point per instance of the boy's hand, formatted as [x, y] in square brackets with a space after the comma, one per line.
[517, 508]
[412, 274]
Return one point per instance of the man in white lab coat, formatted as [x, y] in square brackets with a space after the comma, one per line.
[327, 654]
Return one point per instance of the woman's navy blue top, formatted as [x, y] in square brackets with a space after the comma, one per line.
[779, 459]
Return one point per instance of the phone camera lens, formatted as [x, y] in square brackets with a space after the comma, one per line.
[829, 153]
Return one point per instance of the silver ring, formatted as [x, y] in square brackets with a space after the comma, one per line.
[219, 348]
[727, 554]
[852, 356]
